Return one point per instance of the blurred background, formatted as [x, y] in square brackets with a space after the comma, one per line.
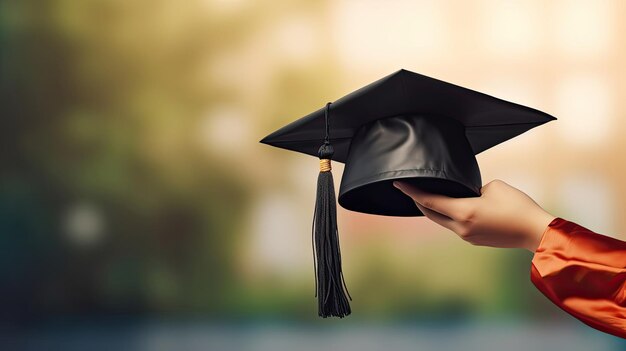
[139, 212]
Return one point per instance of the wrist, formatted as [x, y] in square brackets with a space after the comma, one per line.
[537, 225]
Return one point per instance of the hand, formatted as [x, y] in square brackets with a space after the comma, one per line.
[502, 216]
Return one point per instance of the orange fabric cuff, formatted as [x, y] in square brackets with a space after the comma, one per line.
[584, 273]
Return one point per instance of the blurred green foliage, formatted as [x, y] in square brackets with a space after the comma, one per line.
[98, 98]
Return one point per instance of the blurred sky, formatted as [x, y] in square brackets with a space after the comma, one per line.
[134, 185]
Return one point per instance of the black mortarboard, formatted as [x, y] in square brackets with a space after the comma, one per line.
[404, 126]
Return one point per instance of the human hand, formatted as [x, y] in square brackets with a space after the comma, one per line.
[502, 216]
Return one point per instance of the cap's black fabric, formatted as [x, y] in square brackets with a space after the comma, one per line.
[430, 152]
[411, 127]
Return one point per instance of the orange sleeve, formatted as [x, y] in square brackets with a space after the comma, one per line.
[584, 273]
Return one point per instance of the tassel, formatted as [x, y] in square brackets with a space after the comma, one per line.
[330, 287]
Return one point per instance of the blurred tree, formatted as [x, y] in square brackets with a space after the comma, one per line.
[99, 107]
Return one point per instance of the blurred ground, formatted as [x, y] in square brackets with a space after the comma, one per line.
[504, 335]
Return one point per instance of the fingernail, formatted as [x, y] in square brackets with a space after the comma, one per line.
[397, 184]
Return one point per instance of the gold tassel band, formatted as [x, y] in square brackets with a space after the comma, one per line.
[325, 165]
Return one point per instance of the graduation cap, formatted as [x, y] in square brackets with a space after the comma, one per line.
[404, 126]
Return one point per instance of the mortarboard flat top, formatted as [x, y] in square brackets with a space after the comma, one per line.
[488, 120]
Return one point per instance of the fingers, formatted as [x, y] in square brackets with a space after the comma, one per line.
[453, 208]
[440, 219]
